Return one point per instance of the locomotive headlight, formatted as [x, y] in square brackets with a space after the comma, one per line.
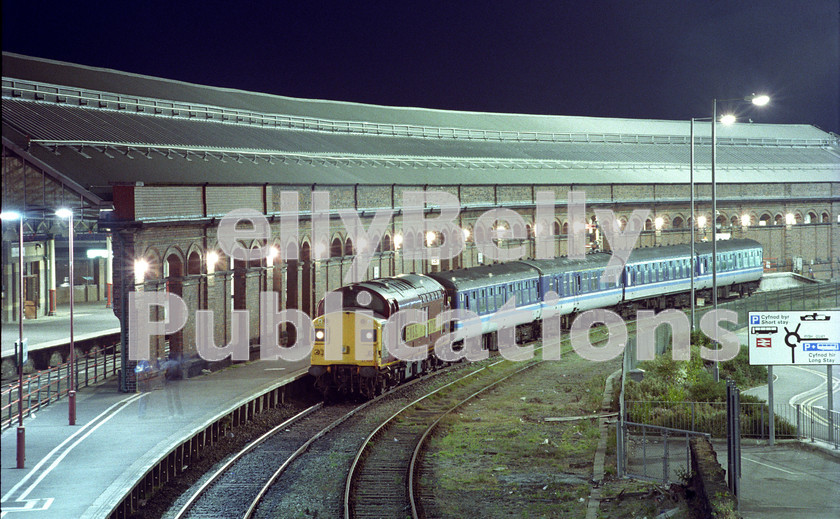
[319, 334]
[368, 335]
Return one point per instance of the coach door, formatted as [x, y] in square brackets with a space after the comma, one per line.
[575, 289]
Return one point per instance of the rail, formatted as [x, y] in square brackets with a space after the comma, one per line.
[42, 388]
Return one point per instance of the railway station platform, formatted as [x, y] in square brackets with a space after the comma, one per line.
[90, 320]
[86, 469]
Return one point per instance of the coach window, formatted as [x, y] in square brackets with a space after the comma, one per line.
[500, 296]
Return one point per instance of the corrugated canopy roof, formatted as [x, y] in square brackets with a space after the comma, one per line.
[100, 126]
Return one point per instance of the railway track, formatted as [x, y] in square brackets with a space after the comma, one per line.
[237, 488]
[381, 479]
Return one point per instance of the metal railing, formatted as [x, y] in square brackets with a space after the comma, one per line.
[94, 99]
[42, 388]
[654, 453]
[791, 421]
[810, 297]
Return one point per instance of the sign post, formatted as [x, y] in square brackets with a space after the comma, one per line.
[794, 338]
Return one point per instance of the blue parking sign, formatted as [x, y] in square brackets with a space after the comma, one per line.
[755, 319]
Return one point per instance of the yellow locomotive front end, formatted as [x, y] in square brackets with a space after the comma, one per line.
[347, 356]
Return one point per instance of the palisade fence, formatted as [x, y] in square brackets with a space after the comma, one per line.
[653, 437]
[42, 388]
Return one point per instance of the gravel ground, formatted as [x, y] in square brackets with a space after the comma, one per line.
[497, 457]
[235, 440]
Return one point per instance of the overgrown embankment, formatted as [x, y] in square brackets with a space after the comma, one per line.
[683, 393]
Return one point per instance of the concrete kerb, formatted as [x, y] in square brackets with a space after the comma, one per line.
[600, 453]
[819, 447]
[112, 498]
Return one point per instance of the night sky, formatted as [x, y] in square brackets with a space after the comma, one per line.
[652, 59]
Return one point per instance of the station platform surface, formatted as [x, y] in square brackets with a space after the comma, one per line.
[83, 470]
[89, 320]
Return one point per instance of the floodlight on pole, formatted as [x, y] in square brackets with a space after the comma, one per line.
[758, 100]
[727, 119]
[71, 394]
[21, 431]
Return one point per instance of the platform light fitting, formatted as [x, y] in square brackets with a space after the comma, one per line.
[212, 259]
[141, 266]
[658, 223]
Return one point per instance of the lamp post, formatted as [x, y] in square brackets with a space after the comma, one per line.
[21, 430]
[693, 220]
[758, 100]
[71, 394]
